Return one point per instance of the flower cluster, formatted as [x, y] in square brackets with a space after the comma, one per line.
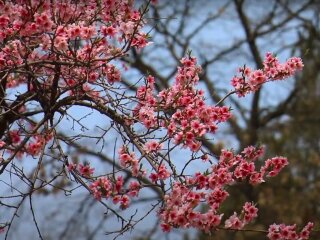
[152, 146]
[242, 166]
[288, 232]
[129, 160]
[85, 170]
[67, 22]
[35, 143]
[179, 210]
[190, 117]
[249, 212]
[72, 40]
[34, 147]
[103, 187]
[251, 80]
[275, 70]
[210, 188]
[161, 173]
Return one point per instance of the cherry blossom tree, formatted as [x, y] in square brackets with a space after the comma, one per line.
[59, 59]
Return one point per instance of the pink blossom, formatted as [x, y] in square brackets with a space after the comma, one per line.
[165, 227]
[102, 187]
[85, 170]
[124, 202]
[61, 43]
[251, 80]
[109, 31]
[113, 74]
[152, 146]
[250, 212]
[234, 222]
[134, 188]
[118, 185]
[274, 165]
[282, 231]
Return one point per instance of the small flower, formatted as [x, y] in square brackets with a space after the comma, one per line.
[85, 170]
[152, 146]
